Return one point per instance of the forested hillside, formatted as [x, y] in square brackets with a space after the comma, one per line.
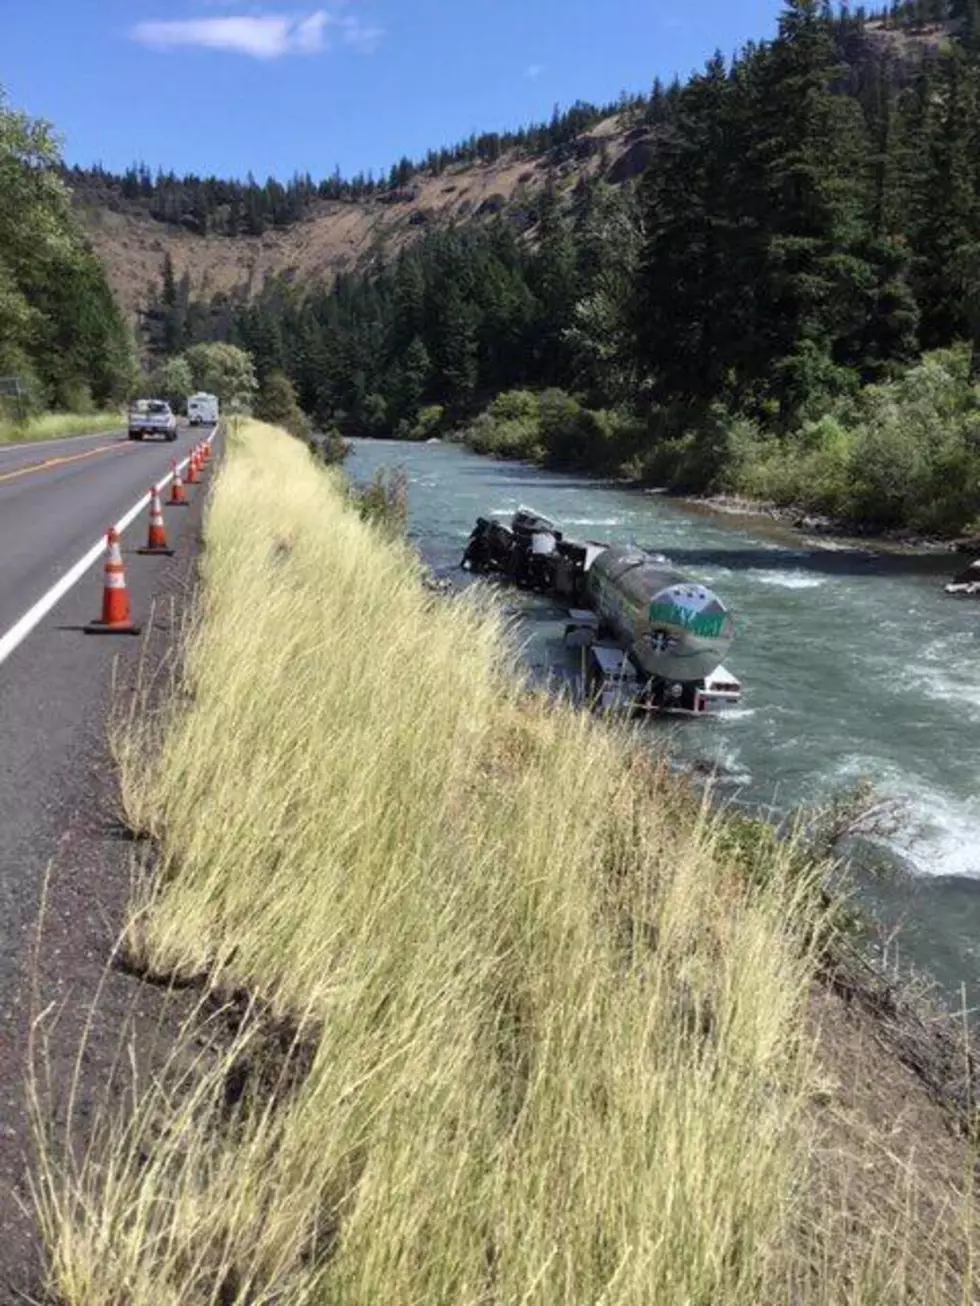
[63, 342]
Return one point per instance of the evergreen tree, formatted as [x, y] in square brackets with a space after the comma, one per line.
[600, 331]
[811, 151]
[454, 346]
[695, 288]
[553, 280]
[411, 381]
[966, 15]
[948, 205]
[409, 302]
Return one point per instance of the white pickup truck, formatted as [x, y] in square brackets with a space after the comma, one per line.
[151, 417]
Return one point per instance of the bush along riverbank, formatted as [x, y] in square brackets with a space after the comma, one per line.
[511, 1016]
[899, 458]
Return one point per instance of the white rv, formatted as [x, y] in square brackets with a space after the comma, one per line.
[202, 409]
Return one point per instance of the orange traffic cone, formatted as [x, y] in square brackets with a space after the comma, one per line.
[157, 540]
[192, 473]
[116, 616]
[178, 498]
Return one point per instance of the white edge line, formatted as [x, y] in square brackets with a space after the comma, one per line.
[19, 631]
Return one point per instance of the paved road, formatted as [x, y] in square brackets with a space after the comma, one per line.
[58, 496]
[56, 501]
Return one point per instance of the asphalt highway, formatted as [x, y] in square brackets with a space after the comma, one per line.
[57, 500]
[58, 497]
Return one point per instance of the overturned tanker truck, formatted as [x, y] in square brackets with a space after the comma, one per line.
[652, 639]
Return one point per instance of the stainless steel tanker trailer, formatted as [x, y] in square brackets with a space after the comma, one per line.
[652, 639]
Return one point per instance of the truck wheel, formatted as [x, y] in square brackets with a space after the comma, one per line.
[172, 436]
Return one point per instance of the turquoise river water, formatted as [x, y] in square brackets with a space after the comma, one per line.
[853, 664]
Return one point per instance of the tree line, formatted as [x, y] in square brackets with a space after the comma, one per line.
[63, 341]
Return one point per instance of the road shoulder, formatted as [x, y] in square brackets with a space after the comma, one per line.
[68, 882]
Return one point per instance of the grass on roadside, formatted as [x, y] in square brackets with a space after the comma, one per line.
[538, 1039]
[55, 426]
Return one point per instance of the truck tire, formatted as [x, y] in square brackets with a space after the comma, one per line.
[171, 436]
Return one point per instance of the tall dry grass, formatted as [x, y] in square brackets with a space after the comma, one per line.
[56, 426]
[548, 1039]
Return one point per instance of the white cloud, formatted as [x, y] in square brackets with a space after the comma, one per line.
[308, 34]
[263, 36]
[534, 71]
[358, 35]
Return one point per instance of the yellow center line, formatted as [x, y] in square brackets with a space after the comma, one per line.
[50, 463]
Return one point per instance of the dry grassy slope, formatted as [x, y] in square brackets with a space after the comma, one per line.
[338, 235]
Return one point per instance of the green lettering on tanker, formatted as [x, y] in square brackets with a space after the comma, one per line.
[706, 625]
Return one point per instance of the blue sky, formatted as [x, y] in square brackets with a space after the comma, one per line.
[226, 86]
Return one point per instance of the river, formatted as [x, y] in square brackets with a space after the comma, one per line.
[854, 664]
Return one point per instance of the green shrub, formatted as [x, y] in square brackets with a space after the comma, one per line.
[811, 468]
[75, 397]
[428, 422]
[277, 404]
[515, 406]
[916, 460]
[692, 453]
[385, 501]
[329, 448]
[374, 414]
[905, 453]
[517, 438]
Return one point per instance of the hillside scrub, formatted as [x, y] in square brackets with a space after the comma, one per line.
[905, 453]
[548, 1039]
[54, 426]
[555, 429]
